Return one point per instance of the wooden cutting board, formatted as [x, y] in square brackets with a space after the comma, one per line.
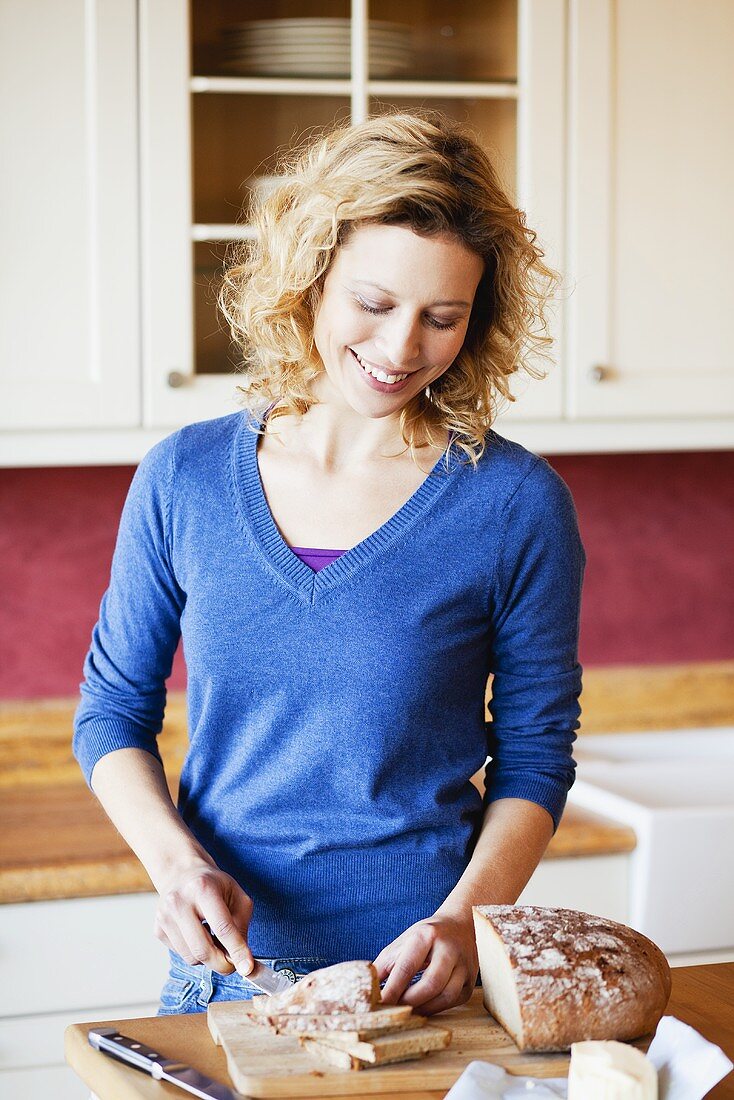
[262, 1064]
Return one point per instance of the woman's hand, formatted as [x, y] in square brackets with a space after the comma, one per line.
[444, 948]
[200, 893]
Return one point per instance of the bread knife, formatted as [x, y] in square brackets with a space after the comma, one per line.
[108, 1040]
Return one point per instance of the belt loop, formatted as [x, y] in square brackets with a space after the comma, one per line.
[206, 988]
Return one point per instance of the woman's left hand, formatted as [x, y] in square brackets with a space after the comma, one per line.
[444, 948]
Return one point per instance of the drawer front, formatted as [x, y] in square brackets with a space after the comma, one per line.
[59, 956]
[36, 1042]
[59, 1082]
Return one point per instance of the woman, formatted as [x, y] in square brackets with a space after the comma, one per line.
[348, 559]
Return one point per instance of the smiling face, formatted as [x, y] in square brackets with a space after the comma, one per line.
[393, 315]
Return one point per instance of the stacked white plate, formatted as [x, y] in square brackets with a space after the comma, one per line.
[312, 47]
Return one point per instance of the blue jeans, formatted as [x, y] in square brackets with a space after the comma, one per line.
[191, 988]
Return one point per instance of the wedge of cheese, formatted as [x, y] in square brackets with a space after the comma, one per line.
[608, 1070]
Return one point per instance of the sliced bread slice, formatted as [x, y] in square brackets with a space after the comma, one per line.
[388, 1048]
[365, 1025]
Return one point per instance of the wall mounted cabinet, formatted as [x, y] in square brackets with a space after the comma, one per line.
[69, 308]
[607, 120]
[651, 174]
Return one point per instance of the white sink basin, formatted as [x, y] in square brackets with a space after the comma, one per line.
[676, 790]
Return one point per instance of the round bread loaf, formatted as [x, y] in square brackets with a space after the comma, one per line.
[553, 977]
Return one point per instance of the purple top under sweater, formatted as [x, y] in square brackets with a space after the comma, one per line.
[314, 558]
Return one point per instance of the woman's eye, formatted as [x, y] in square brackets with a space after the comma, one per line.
[384, 309]
[371, 309]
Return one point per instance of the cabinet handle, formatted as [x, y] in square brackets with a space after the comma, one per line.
[598, 373]
[176, 379]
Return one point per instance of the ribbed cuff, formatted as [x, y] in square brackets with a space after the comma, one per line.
[95, 737]
[551, 794]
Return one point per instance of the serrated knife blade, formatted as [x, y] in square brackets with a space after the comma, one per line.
[109, 1041]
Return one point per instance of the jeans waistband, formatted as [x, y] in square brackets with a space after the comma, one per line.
[297, 966]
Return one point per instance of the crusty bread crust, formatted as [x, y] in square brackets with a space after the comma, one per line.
[579, 976]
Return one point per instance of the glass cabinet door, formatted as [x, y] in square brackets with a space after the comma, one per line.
[226, 85]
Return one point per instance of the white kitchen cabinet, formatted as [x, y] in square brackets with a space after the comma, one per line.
[69, 332]
[32, 1062]
[591, 884]
[66, 962]
[651, 175]
[202, 136]
[608, 121]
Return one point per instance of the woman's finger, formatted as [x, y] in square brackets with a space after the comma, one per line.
[444, 960]
[200, 945]
[456, 991]
[160, 934]
[229, 923]
[384, 962]
[174, 938]
[413, 952]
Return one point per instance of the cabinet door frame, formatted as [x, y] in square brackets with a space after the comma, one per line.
[71, 338]
[166, 223]
[600, 387]
[541, 161]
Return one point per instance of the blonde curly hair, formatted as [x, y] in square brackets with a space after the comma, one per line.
[420, 170]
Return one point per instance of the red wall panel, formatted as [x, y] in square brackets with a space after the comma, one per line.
[658, 531]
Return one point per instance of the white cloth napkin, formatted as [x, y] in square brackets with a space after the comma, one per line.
[688, 1068]
[688, 1065]
[483, 1081]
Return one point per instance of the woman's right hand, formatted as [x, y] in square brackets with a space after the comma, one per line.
[204, 893]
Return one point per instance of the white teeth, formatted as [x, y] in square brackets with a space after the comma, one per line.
[380, 375]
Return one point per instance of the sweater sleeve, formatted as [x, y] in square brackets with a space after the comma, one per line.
[123, 694]
[536, 675]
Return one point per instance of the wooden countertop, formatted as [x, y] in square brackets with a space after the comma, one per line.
[56, 842]
[702, 996]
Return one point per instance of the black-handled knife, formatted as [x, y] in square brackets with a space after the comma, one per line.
[109, 1041]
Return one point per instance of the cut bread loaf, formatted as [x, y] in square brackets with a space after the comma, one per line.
[348, 987]
[338, 1017]
[553, 977]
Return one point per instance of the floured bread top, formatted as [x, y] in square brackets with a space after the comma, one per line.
[346, 987]
[577, 958]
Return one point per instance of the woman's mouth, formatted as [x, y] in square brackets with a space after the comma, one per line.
[377, 378]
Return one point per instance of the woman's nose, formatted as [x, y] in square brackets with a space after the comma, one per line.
[401, 339]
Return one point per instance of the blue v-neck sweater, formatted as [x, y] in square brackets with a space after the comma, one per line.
[336, 717]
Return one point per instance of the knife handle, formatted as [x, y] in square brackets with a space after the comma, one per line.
[122, 1047]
